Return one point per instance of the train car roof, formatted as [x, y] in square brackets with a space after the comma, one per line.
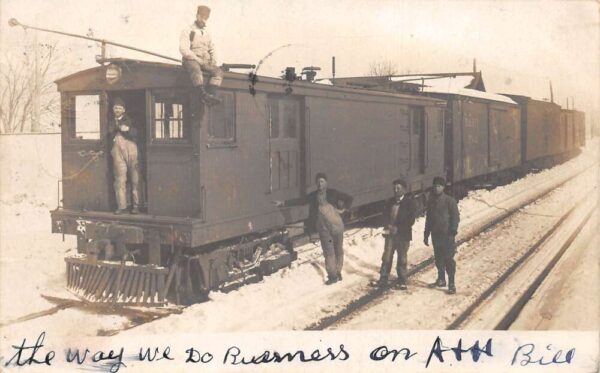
[138, 74]
[452, 85]
[521, 99]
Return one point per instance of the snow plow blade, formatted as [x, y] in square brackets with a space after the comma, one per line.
[122, 283]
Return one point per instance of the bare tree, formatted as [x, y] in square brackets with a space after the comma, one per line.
[25, 80]
[383, 69]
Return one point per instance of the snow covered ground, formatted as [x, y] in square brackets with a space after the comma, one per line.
[31, 262]
[569, 298]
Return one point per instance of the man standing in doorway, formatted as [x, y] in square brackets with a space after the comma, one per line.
[198, 56]
[442, 223]
[399, 216]
[325, 208]
[125, 158]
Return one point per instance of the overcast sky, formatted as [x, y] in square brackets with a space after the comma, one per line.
[519, 45]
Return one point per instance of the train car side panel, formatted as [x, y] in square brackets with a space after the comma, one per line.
[506, 133]
[261, 167]
[348, 136]
[85, 161]
[172, 176]
[435, 145]
[474, 132]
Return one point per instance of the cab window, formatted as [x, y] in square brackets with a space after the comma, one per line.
[221, 120]
[83, 114]
[169, 117]
[285, 116]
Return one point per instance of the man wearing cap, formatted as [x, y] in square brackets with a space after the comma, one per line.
[125, 157]
[324, 216]
[399, 216]
[442, 223]
[198, 56]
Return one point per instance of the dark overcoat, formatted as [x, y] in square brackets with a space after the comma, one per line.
[442, 215]
[407, 213]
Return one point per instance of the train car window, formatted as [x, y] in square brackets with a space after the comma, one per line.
[221, 119]
[289, 118]
[417, 119]
[84, 115]
[285, 116]
[169, 116]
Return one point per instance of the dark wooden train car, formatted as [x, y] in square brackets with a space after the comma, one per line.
[483, 136]
[545, 134]
[210, 174]
[482, 129]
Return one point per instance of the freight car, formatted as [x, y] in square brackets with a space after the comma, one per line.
[482, 129]
[210, 174]
[550, 134]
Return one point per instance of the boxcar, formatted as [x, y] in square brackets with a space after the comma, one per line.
[210, 174]
[482, 129]
[546, 132]
[483, 136]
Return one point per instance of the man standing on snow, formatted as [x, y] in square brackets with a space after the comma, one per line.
[442, 223]
[198, 52]
[325, 208]
[399, 216]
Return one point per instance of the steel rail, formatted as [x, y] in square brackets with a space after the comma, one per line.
[513, 312]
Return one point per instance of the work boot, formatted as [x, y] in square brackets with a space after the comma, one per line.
[381, 283]
[451, 289]
[400, 286]
[331, 280]
[208, 98]
[440, 283]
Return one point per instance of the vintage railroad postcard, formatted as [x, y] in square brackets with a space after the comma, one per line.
[264, 185]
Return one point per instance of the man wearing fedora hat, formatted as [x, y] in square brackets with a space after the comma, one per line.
[441, 223]
[124, 153]
[198, 56]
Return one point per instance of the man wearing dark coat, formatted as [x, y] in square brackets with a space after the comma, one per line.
[442, 224]
[325, 208]
[399, 216]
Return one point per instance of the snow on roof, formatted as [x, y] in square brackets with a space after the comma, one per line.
[324, 81]
[452, 85]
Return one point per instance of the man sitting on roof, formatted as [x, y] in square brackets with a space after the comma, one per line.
[198, 52]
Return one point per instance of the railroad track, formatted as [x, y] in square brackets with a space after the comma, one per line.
[501, 304]
[370, 297]
[137, 316]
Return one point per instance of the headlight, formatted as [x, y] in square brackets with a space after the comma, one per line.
[113, 73]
